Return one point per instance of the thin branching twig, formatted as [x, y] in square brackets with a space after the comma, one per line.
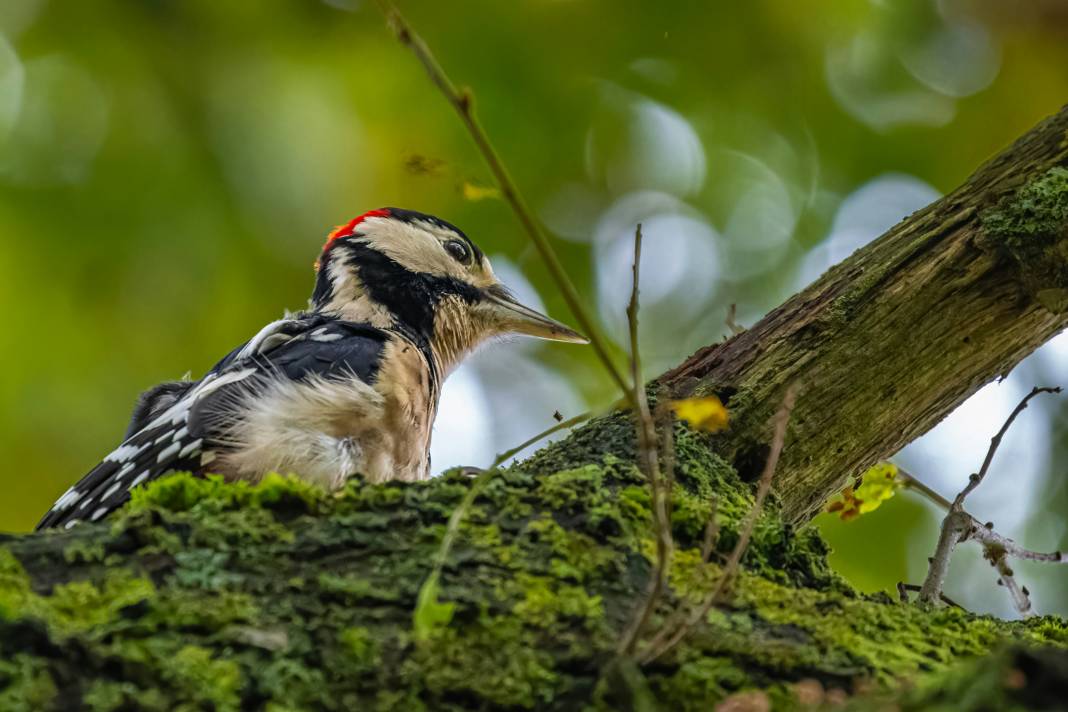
[649, 461]
[562, 425]
[977, 478]
[959, 526]
[462, 100]
[668, 637]
[903, 594]
[985, 533]
[1021, 599]
[914, 483]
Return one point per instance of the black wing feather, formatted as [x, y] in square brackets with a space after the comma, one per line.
[293, 349]
[153, 402]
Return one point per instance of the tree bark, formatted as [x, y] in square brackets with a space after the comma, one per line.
[279, 596]
[888, 342]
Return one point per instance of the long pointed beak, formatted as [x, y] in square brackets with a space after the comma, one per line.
[509, 316]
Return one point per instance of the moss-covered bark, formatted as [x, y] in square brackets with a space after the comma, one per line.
[278, 596]
[209, 596]
[889, 341]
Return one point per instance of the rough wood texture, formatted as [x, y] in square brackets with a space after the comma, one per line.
[201, 595]
[891, 340]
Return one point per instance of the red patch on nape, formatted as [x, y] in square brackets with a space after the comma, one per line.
[350, 227]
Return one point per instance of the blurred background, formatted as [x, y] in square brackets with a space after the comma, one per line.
[168, 171]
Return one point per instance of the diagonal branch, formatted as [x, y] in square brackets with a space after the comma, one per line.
[896, 336]
[462, 101]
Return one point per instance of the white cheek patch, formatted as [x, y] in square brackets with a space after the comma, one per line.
[418, 247]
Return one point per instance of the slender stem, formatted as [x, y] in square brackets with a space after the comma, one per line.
[708, 545]
[989, 537]
[562, 425]
[649, 460]
[938, 569]
[669, 638]
[912, 482]
[958, 525]
[463, 102]
[903, 593]
[1020, 597]
[977, 478]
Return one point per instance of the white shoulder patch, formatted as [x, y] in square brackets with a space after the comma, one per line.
[267, 338]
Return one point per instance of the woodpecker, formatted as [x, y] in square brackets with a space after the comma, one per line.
[349, 386]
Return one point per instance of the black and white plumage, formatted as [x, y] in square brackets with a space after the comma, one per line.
[350, 386]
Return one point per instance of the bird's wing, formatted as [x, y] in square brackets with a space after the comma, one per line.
[153, 402]
[175, 438]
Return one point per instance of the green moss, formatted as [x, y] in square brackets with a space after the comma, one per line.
[361, 645]
[183, 492]
[493, 660]
[14, 586]
[72, 607]
[82, 606]
[205, 679]
[25, 684]
[545, 603]
[1038, 210]
[208, 595]
[1013, 679]
[1031, 226]
[700, 680]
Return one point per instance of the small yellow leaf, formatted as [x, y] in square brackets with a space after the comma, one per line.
[475, 193]
[878, 484]
[707, 414]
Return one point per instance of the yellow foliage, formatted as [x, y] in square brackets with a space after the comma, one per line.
[474, 193]
[707, 414]
[878, 484]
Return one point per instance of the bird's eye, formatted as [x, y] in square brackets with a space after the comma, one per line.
[458, 251]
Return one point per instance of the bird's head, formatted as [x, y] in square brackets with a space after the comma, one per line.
[399, 268]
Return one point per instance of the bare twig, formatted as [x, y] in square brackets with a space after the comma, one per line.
[975, 479]
[948, 538]
[730, 571]
[649, 460]
[982, 532]
[903, 593]
[734, 326]
[989, 537]
[669, 638]
[462, 101]
[1020, 597]
[708, 545]
[958, 526]
[562, 425]
[914, 483]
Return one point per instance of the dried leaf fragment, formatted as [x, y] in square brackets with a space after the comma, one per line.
[707, 414]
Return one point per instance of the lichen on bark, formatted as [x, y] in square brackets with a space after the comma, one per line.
[1031, 227]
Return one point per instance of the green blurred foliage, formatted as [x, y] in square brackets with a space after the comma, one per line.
[168, 169]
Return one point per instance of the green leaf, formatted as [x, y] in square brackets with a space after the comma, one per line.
[430, 613]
